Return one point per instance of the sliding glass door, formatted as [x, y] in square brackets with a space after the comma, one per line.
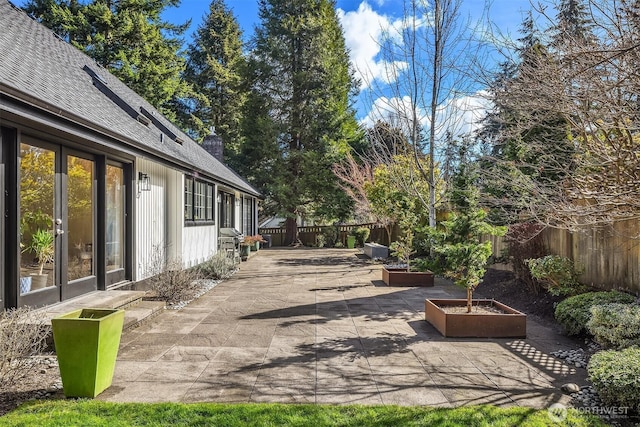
[57, 223]
[115, 224]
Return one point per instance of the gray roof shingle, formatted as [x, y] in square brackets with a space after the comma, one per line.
[36, 63]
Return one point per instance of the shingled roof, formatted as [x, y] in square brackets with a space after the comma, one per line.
[40, 69]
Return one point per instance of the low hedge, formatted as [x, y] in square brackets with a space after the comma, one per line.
[615, 325]
[574, 312]
[615, 375]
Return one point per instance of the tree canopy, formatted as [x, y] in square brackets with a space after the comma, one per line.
[215, 63]
[299, 110]
[128, 37]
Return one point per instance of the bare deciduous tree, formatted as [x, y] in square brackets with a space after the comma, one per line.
[430, 59]
[570, 116]
[353, 177]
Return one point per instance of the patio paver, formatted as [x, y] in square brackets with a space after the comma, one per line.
[319, 326]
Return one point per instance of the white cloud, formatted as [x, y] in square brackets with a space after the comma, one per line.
[364, 31]
[462, 115]
[394, 110]
[459, 116]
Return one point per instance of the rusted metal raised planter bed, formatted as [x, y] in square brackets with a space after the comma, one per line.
[401, 277]
[505, 322]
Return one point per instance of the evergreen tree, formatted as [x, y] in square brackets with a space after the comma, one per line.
[214, 68]
[301, 87]
[128, 37]
[573, 26]
[385, 141]
[529, 143]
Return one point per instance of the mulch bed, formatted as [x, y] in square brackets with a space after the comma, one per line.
[503, 286]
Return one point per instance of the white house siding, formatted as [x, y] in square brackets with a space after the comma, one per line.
[157, 213]
[199, 242]
[159, 223]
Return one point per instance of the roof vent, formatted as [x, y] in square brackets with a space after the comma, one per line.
[144, 119]
[179, 140]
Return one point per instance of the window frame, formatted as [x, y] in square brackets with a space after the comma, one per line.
[199, 203]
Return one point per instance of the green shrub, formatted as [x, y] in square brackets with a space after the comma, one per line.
[321, 240]
[615, 375]
[573, 313]
[330, 235]
[615, 325]
[361, 234]
[219, 266]
[434, 265]
[558, 274]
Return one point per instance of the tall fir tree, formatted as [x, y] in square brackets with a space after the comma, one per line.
[528, 143]
[573, 25]
[214, 68]
[128, 37]
[299, 109]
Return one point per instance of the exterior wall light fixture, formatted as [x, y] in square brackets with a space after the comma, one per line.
[144, 183]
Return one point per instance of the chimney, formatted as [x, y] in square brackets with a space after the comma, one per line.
[214, 145]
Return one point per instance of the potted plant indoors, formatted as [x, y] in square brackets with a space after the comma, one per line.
[43, 249]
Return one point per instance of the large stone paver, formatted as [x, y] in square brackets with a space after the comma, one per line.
[319, 326]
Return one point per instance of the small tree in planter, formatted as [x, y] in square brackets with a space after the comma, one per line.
[459, 242]
[395, 192]
[464, 254]
[403, 247]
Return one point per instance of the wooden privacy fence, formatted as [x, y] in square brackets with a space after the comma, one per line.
[610, 257]
[308, 235]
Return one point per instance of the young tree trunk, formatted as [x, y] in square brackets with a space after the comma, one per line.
[291, 231]
[469, 299]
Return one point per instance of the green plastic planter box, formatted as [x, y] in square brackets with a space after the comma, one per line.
[86, 342]
[351, 242]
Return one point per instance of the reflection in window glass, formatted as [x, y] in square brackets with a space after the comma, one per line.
[37, 184]
[115, 218]
[209, 196]
[199, 207]
[188, 199]
[198, 201]
[80, 207]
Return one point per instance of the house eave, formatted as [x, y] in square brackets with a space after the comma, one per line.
[23, 106]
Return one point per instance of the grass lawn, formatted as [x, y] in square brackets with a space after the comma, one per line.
[95, 413]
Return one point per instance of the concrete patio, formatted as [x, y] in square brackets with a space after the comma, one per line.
[319, 326]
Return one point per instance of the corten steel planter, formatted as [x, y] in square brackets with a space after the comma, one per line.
[402, 277]
[509, 324]
[86, 343]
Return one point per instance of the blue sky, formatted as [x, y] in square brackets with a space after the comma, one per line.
[362, 21]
